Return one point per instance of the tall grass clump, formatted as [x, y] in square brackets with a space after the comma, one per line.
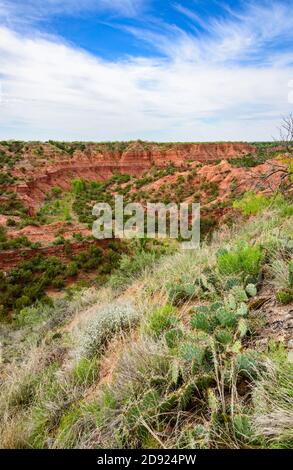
[273, 406]
[243, 259]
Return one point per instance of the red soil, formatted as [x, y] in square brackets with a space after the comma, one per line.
[47, 233]
[11, 258]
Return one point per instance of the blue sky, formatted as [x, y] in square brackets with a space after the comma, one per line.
[163, 70]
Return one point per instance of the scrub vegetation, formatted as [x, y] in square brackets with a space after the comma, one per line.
[176, 354]
[138, 343]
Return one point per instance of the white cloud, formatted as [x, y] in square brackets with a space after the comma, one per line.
[29, 11]
[125, 7]
[247, 34]
[52, 90]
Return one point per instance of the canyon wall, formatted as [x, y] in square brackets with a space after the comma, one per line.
[41, 174]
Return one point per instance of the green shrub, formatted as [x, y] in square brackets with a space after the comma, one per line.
[120, 178]
[161, 320]
[34, 314]
[60, 240]
[13, 205]
[3, 236]
[56, 191]
[6, 178]
[17, 242]
[11, 222]
[78, 186]
[143, 181]
[248, 161]
[252, 204]
[27, 282]
[285, 296]
[58, 282]
[132, 265]
[72, 269]
[78, 237]
[90, 259]
[22, 302]
[244, 259]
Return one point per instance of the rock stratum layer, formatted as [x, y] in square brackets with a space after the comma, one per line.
[38, 173]
[30, 170]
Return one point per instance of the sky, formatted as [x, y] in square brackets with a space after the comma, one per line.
[182, 70]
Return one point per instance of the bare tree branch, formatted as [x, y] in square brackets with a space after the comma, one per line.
[285, 141]
[286, 132]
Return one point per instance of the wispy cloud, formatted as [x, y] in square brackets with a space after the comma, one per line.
[125, 7]
[246, 34]
[205, 88]
[30, 11]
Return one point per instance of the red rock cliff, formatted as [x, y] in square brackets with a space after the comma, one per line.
[93, 163]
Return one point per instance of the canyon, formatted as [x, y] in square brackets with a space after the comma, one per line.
[35, 168]
[38, 173]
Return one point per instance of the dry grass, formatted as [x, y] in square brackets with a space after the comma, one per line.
[273, 398]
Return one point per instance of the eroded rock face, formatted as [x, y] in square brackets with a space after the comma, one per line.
[47, 233]
[11, 258]
[181, 153]
[44, 166]
[40, 174]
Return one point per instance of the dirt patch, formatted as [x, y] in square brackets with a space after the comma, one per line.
[109, 361]
[276, 320]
